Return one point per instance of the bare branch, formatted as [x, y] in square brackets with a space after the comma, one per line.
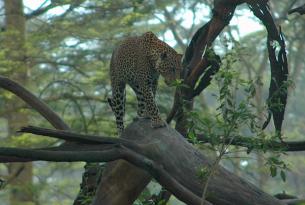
[256, 143]
[79, 138]
[300, 10]
[54, 4]
[34, 102]
[62, 156]
[41, 10]
[278, 63]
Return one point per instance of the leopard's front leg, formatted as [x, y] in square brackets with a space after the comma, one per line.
[151, 107]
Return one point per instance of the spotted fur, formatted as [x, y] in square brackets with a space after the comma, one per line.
[138, 62]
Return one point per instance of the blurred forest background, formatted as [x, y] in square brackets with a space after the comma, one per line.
[60, 50]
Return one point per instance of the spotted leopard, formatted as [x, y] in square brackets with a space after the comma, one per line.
[138, 62]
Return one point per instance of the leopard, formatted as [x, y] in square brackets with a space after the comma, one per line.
[138, 61]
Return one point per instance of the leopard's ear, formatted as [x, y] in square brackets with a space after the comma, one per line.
[149, 36]
[149, 42]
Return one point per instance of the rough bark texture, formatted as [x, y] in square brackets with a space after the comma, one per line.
[111, 189]
[183, 161]
[20, 174]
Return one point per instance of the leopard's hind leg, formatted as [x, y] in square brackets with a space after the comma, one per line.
[141, 111]
[117, 104]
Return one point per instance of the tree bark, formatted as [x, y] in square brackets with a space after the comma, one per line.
[20, 173]
[183, 161]
[119, 187]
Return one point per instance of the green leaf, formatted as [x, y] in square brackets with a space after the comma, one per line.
[192, 137]
[203, 173]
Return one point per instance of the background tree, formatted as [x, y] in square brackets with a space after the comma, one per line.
[14, 54]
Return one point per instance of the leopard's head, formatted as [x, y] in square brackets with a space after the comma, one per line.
[165, 59]
[169, 66]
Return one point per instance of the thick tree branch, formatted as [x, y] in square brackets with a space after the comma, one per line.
[34, 102]
[63, 156]
[256, 143]
[100, 154]
[300, 10]
[250, 143]
[71, 136]
[278, 88]
[196, 61]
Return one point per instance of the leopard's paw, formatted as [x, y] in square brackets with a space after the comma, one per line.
[139, 117]
[157, 123]
[144, 116]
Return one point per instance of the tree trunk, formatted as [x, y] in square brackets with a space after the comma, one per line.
[121, 184]
[183, 161]
[20, 173]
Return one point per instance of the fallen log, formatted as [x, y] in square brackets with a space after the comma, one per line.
[183, 161]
